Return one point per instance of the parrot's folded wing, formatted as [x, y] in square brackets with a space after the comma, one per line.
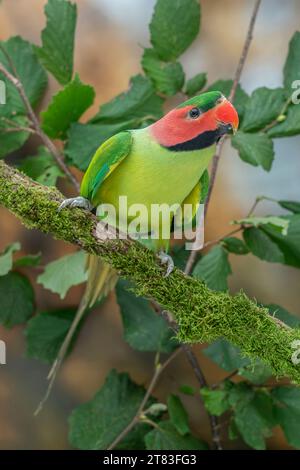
[108, 156]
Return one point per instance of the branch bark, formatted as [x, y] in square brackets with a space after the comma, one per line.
[201, 314]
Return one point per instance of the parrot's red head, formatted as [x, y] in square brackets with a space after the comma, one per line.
[197, 123]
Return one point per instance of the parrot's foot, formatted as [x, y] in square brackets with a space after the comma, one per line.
[166, 259]
[78, 201]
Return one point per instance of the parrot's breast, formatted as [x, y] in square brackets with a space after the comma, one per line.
[152, 174]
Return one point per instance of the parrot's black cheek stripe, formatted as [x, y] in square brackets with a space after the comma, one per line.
[206, 139]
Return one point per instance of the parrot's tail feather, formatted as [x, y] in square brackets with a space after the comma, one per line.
[101, 280]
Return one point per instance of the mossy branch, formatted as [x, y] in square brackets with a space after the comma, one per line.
[202, 315]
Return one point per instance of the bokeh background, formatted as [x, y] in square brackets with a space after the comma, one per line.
[110, 37]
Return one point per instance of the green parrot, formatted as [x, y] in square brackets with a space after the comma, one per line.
[160, 164]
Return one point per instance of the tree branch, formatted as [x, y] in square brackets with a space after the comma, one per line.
[36, 125]
[193, 256]
[201, 314]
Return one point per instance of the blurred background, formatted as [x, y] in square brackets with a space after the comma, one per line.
[109, 41]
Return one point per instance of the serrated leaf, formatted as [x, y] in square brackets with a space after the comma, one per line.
[29, 71]
[255, 420]
[6, 258]
[60, 275]
[215, 401]
[279, 224]
[264, 105]
[66, 107]
[261, 245]
[134, 105]
[279, 312]
[84, 140]
[240, 98]
[291, 124]
[178, 415]
[291, 69]
[214, 268]
[257, 372]
[168, 78]
[292, 206]
[96, 424]
[226, 355]
[42, 168]
[256, 149]
[45, 333]
[270, 245]
[165, 437]
[56, 53]
[287, 412]
[235, 245]
[195, 84]
[144, 330]
[174, 26]
[16, 298]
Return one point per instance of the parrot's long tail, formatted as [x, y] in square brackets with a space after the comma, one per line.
[101, 280]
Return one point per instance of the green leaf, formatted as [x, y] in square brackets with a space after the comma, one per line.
[240, 98]
[96, 424]
[42, 168]
[6, 258]
[85, 139]
[262, 246]
[257, 372]
[195, 84]
[135, 439]
[214, 268]
[144, 330]
[180, 256]
[292, 206]
[60, 275]
[187, 390]
[29, 71]
[287, 412]
[174, 26]
[291, 124]
[45, 334]
[291, 69]
[279, 312]
[28, 261]
[279, 224]
[269, 244]
[256, 149]
[165, 437]
[263, 106]
[16, 298]
[66, 107]
[178, 415]
[135, 105]
[226, 355]
[11, 141]
[255, 420]
[215, 401]
[235, 245]
[157, 409]
[56, 53]
[168, 78]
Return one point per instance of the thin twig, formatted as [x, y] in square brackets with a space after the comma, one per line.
[157, 372]
[9, 130]
[33, 118]
[215, 164]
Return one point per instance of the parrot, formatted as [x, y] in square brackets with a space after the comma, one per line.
[158, 164]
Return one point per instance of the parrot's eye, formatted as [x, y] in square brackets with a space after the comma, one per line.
[194, 113]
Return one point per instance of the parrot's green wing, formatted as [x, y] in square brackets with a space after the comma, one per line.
[108, 156]
[195, 197]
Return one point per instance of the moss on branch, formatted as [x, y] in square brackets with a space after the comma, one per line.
[202, 315]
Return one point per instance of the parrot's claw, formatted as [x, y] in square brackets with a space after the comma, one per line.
[166, 259]
[78, 201]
